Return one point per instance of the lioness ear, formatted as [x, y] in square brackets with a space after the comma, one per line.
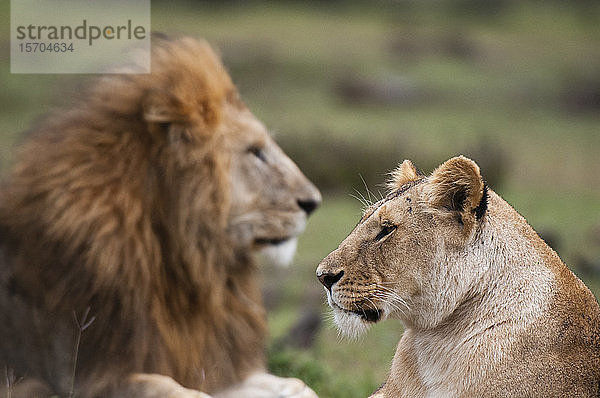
[403, 174]
[457, 186]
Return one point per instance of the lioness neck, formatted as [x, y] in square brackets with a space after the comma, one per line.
[502, 283]
[503, 272]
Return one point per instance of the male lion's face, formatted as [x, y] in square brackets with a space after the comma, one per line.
[220, 168]
[391, 264]
[270, 197]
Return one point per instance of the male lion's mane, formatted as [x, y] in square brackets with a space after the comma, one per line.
[98, 212]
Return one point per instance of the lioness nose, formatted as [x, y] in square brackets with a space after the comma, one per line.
[328, 279]
[308, 205]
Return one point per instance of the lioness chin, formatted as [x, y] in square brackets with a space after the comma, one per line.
[489, 309]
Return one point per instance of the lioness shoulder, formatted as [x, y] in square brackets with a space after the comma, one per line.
[489, 309]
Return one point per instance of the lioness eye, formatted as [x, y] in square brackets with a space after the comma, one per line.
[258, 152]
[385, 231]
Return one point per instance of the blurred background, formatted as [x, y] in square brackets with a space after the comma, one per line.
[351, 88]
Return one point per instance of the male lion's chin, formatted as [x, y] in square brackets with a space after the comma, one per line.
[278, 252]
[350, 324]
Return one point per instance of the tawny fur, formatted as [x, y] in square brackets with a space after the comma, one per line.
[403, 174]
[489, 309]
[123, 205]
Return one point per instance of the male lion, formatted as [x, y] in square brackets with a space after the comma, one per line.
[144, 204]
[489, 309]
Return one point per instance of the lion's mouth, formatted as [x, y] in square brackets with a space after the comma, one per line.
[270, 241]
[369, 315]
[366, 314]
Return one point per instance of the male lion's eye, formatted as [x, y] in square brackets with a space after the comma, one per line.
[164, 126]
[385, 231]
[258, 152]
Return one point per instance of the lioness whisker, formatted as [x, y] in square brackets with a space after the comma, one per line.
[369, 193]
[395, 302]
[392, 295]
[363, 201]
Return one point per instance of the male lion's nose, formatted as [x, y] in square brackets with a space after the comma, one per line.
[329, 279]
[308, 205]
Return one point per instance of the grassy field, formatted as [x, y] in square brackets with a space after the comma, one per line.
[350, 90]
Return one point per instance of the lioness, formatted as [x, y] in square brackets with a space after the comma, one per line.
[143, 207]
[489, 309]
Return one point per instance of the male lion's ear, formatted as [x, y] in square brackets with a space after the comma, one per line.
[403, 174]
[157, 115]
[158, 111]
[457, 186]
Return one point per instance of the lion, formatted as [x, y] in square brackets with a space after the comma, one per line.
[489, 309]
[129, 227]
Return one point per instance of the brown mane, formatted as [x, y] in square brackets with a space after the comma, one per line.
[87, 219]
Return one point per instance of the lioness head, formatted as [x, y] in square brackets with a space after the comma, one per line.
[217, 152]
[393, 263]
